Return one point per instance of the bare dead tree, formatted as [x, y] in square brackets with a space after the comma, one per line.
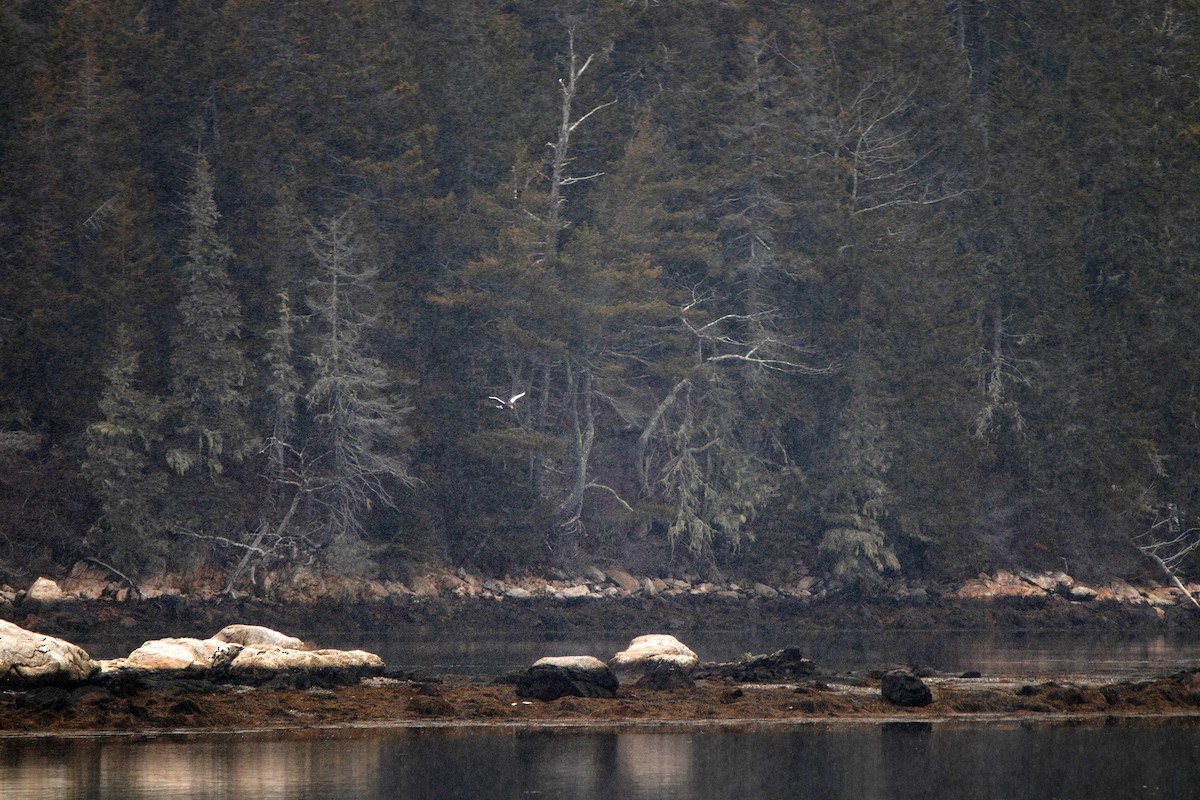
[1167, 542]
[560, 147]
[746, 339]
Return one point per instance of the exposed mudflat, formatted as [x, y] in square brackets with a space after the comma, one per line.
[392, 702]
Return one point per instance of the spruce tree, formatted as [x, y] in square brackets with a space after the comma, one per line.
[120, 467]
[209, 369]
[359, 445]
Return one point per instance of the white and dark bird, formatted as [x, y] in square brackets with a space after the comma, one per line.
[502, 403]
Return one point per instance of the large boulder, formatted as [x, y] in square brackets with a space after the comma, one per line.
[328, 666]
[183, 655]
[901, 687]
[257, 636]
[652, 652]
[28, 658]
[567, 676]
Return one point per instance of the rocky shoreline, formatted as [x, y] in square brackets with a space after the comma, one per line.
[250, 678]
[268, 691]
[177, 705]
[86, 582]
[83, 606]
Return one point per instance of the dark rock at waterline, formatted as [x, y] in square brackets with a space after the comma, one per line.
[568, 676]
[901, 687]
[91, 696]
[782, 665]
[666, 677]
[46, 698]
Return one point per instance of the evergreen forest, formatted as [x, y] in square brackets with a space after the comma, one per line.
[881, 290]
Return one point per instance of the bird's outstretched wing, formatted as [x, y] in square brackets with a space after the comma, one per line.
[502, 403]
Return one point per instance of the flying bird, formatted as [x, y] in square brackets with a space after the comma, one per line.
[502, 403]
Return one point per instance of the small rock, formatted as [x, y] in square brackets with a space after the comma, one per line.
[595, 575]
[1081, 594]
[517, 593]
[574, 592]
[45, 590]
[424, 586]
[627, 582]
[903, 688]
[762, 590]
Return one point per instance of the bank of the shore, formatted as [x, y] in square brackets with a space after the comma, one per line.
[88, 604]
[547, 618]
[397, 702]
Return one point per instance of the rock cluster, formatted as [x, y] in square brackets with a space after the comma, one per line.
[29, 659]
[86, 582]
[659, 663]
[782, 665]
[1002, 583]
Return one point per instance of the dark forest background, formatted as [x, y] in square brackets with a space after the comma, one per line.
[879, 290]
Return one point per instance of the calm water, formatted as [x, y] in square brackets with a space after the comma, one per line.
[945, 760]
[816, 761]
[994, 653]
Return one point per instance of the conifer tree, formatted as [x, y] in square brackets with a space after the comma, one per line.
[120, 467]
[359, 445]
[209, 369]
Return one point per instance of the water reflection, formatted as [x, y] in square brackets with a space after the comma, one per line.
[1000, 653]
[891, 762]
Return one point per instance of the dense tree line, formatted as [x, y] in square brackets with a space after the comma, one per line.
[877, 289]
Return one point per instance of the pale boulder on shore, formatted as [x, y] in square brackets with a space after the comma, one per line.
[653, 652]
[258, 636]
[183, 653]
[255, 663]
[28, 658]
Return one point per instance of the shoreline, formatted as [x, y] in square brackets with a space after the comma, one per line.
[189, 707]
[567, 727]
[550, 619]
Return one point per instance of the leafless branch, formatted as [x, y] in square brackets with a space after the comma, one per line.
[1167, 543]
